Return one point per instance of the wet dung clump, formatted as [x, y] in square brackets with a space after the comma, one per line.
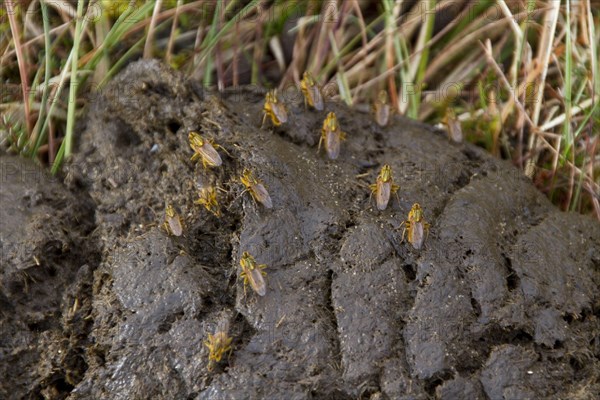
[499, 301]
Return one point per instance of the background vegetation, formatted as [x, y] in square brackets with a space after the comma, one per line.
[521, 76]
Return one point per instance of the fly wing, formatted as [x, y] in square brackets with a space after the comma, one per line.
[415, 235]
[454, 130]
[382, 114]
[384, 190]
[261, 195]
[196, 142]
[332, 144]
[316, 98]
[222, 326]
[175, 225]
[257, 282]
[280, 113]
[210, 155]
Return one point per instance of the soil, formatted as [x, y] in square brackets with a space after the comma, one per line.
[98, 301]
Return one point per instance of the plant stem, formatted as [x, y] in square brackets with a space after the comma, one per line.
[68, 143]
[14, 27]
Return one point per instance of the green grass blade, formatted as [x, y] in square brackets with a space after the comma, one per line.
[212, 42]
[123, 24]
[424, 58]
[37, 135]
[582, 125]
[568, 79]
[212, 32]
[121, 61]
[330, 66]
[68, 141]
[341, 76]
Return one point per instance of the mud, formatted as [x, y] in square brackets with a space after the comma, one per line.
[502, 302]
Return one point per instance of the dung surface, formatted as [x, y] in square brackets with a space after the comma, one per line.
[97, 301]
